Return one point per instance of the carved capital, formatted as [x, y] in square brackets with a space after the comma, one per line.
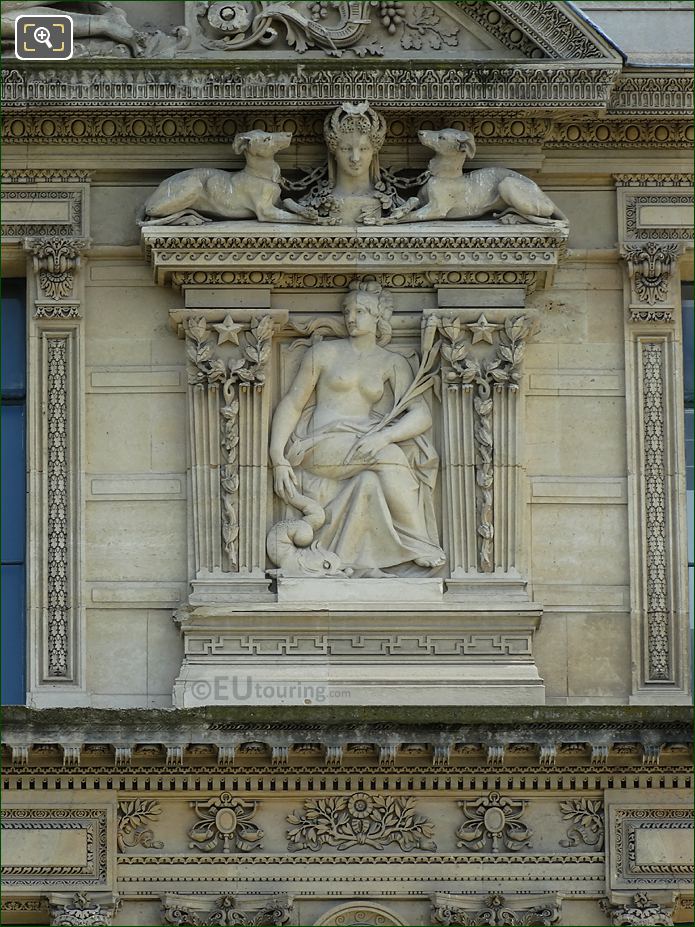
[649, 268]
[263, 911]
[639, 910]
[56, 261]
[80, 909]
[495, 909]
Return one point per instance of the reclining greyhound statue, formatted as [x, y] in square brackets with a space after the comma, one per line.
[206, 194]
[451, 194]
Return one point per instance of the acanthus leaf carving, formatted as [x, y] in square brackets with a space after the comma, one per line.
[274, 911]
[82, 912]
[494, 910]
[649, 266]
[640, 911]
[360, 820]
[493, 819]
[56, 260]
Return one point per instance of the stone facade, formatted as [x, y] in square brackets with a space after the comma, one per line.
[356, 472]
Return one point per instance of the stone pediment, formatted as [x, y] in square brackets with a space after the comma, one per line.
[451, 31]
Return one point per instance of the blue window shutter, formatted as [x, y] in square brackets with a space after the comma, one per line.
[13, 621]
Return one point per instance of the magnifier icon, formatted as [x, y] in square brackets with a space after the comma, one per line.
[41, 34]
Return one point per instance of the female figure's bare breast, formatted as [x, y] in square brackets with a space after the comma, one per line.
[349, 384]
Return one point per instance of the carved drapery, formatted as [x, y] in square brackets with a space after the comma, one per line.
[653, 353]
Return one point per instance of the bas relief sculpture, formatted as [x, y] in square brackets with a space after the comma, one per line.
[350, 452]
[99, 28]
[351, 188]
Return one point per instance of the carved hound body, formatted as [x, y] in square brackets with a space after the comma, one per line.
[450, 194]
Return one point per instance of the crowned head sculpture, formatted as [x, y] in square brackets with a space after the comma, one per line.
[354, 135]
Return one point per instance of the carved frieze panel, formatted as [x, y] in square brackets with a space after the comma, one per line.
[50, 846]
[648, 845]
[44, 203]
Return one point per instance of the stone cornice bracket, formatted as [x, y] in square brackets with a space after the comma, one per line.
[650, 266]
[637, 910]
[56, 262]
[91, 910]
[495, 909]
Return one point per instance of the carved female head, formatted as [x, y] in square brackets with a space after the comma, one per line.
[354, 136]
[370, 296]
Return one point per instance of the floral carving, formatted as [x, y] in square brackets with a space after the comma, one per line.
[362, 820]
[500, 370]
[640, 912]
[496, 912]
[655, 507]
[133, 819]
[82, 913]
[57, 507]
[418, 24]
[492, 820]
[649, 267]
[332, 26]
[203, 366]
[587, 825]
[56, 261]
[274, 912]
[225, 821]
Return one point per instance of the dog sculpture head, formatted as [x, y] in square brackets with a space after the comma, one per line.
[448, 141]
[261, 144]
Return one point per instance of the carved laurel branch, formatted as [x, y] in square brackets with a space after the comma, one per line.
[133, 818]
[502, 370]
[587, 822]
[249, 368]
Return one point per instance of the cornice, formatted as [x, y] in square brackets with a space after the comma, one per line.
[524, 85]
[566, 739]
